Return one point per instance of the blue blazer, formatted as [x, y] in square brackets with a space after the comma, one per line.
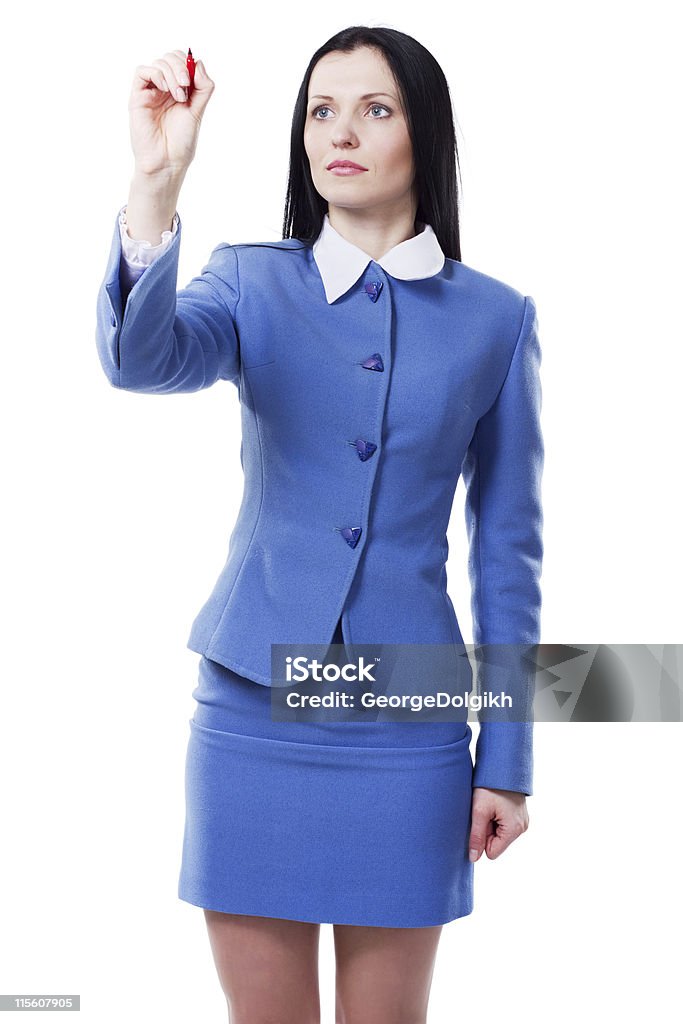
[358, 419]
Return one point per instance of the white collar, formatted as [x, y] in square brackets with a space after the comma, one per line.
[341, 263]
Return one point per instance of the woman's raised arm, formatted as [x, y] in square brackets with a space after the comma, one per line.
[150, 337]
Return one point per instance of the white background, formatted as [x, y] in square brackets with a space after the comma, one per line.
[118, 506]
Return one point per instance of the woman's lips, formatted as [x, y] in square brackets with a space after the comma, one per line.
[347, 170]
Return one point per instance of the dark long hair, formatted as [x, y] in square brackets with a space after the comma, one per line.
[429, 115]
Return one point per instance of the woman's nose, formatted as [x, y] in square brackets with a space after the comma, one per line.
[343, 133]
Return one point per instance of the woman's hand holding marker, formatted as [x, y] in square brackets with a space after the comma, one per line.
[166, 104]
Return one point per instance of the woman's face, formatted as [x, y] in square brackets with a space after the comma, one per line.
[354, 114]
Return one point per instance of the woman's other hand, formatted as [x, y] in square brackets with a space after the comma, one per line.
[499, 816]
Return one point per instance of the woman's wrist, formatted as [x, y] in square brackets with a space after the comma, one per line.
[152, 202]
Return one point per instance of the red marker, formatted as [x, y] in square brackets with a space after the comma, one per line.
[190, 64]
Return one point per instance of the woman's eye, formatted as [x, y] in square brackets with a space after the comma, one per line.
[375, 106]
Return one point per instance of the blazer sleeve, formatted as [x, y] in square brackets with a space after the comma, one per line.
[502, 471]
[157, 340]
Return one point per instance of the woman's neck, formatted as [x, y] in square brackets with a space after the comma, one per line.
[374, 231]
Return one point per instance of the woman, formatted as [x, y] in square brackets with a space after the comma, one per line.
[371, 365]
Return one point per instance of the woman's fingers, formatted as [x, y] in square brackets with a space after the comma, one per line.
[177, 60]
[168, 74]
[147, 73]
[175, 77]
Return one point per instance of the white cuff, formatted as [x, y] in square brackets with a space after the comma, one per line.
[138, 252]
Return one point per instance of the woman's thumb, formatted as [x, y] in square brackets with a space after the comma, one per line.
[203, 87]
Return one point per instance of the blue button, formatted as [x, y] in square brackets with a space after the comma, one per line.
[351, 535]
[373, 362]
[364, 448]
[372, 289]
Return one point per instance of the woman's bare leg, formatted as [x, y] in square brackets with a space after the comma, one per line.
[268, 967]
[384, 975]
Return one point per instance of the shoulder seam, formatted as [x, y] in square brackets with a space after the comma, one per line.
[239, 289]
[525, 309]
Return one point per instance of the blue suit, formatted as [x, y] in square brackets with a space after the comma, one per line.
[358, 418]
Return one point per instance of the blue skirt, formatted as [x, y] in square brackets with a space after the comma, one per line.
[339, 822]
